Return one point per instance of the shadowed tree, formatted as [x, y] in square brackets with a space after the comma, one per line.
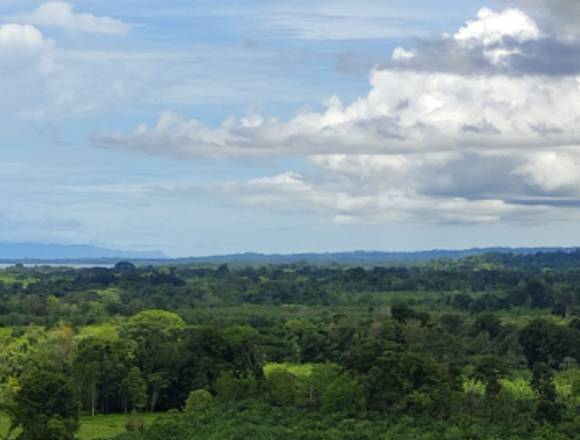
[548, 408]
[45, 407]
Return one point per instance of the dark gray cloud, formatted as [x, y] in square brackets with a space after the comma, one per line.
[476, 176]
[473, 176]
[545, 56]
[509, 42]
[563, 202]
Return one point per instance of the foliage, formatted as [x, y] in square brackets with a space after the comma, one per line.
[467, 349]
[199, 400]
[44, 407]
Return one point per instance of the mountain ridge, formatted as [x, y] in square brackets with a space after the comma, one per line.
[38, 253]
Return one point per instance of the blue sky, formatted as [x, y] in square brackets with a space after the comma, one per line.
[205, 127]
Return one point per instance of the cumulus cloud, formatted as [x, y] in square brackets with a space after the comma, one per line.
[436, 188]
[508, 42]
[473, 127]
[339, 199]
[400, 55]
[492, 27]
[62, 15]
[404, 112]
[552, 172]
[24, 48]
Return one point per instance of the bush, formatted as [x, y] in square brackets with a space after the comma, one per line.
[230, 388]
[281, 386]
[135, 423]
[199, 400]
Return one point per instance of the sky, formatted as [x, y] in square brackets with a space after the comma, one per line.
[205, 127]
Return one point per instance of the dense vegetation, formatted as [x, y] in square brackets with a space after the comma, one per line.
[481, 348]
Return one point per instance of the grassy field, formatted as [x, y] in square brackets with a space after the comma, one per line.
[351, 304]
[518, 385]
[92, 428]
[8, 277]
[299, 370]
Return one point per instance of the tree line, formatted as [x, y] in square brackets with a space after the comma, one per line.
[485, 353]
[408, 364]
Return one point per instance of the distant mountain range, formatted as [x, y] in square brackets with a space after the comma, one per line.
[367, 257]
[40, 251]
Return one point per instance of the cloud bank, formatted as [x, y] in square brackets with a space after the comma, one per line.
[479, 126]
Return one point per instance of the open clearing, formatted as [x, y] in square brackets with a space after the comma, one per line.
[92, 428]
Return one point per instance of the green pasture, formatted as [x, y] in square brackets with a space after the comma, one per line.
[11, 278]
[298, 370]
[92, 428]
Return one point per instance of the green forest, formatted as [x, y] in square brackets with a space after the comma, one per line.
[484, 347]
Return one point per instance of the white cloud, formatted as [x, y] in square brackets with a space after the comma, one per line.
[342, 202]
[432, 145]
[492, 27]
[437, 188]
[401, 54]
[24, 48]
[560, 16]
[508, 42]
[62, 15]
[404, 112]
[553, 172]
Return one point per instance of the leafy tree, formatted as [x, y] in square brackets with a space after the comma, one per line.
[135, 423]
[134, 390]
[538, 293]
[230, 388]
[402, 313]
[157, 335]
[489, 370]
[100, 367]
[343, 394]
[243, 350]
[549, 343]
[282, 387]
[451, 322]
[316, 384]
[461, 301]
[203, 358]
[45, 407]
[548, 407]
[308, 342]
[559, 309]
[199, 400]
[223, 271]
[488, 322]
[395, 379]
[124, 266]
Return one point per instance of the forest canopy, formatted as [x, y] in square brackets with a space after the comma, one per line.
[483, 347]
